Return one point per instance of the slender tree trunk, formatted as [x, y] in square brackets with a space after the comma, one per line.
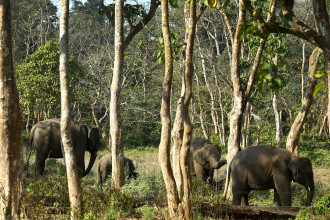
[236, 114]
[323, 28]
[11, 161]
[165, 113]
[75, 192]
[294, 134]
[28, 119]
[240, 96]
[302, 71]
[222, 111]
[200, 108]
[209, 90]
[278, 121]
[191, 20]
[118, 177]
[177, 134]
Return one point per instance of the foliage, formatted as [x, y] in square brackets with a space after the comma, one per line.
[38, 79]
[321, 210]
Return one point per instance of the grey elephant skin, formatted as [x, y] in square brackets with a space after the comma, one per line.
[205, 158]
[268, 167]
[45, 137]
[104, 168]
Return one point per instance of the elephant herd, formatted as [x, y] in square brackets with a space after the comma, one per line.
[254, 168]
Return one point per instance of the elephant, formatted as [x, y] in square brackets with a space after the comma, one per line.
[267, 167]
[45, 137]
[204, 158]
[104, 168]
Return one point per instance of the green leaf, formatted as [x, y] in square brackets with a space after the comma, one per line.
[212, 3]
[318, 87]
[318, 75]
[174, 3]
[226, 3]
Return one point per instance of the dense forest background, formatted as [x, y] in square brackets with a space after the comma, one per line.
[92, 45]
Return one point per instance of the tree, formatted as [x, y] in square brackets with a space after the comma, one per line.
[38, 82]
[296, 27]
[75, 192]
[34, 23]
[241, 94]
[117, 147]
[11, 162]
[116, 16]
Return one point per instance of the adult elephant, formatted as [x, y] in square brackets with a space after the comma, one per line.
[104, 168]
[45, 137]
[205, 158]
[268, 167]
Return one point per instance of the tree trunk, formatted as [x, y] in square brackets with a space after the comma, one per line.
[177, 135]
[302, 71]
[278, 121]
[75, 192]
[215, 124]
[11, 161]
[240, 96]
[294, 134]
[323, 28]
[200, 109]
[165, 113]
[118, 177]
[236, 114]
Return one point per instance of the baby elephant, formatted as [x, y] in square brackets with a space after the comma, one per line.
[104, 168]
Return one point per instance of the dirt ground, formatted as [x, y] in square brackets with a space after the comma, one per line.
[322, 175]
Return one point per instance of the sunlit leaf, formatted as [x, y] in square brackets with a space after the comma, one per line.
[318, 75]
[212, 3]
[318, 87]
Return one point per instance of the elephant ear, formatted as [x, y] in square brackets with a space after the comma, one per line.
[93, 136]
[294, 167]
[200, 157]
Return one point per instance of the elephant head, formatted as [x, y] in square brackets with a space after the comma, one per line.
[209, 157]
[302, 173]
[93, 139]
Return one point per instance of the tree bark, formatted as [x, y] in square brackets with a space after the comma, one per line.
[75, 192]
[240, 96]
[118, 177]
[323, 28]
[236, 114]
[200, 109]
[215, 124]
[11, 161]
[165, 113]
[177, 135]
[278, 121]
[294, 134]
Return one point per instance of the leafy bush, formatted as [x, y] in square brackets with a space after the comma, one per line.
[321, 210]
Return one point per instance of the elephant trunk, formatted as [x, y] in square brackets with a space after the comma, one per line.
[218, 164]
[310, 192]
[91, 163]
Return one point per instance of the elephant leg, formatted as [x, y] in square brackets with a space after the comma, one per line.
[283, 188]
[245, 199]
[200, 172]
[209, 176]
[237, 198]
[40, 163]
[277, 199]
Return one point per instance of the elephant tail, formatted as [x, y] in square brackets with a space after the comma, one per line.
[227, 183]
